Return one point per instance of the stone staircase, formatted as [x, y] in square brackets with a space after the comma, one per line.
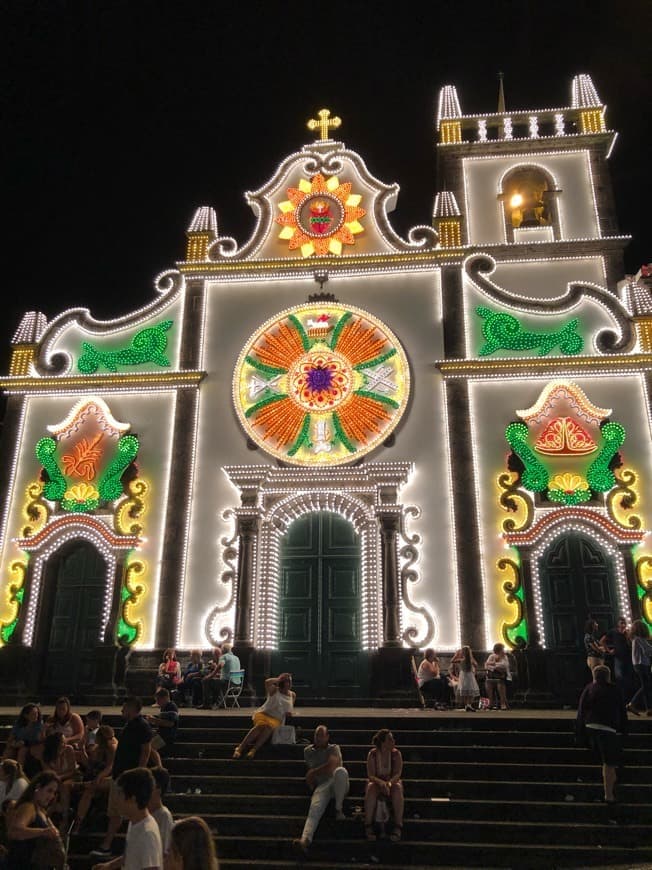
[482, 790]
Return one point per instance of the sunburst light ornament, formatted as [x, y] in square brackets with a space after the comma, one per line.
[321, 384]
[320, 216]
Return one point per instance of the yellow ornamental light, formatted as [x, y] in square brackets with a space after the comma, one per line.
[568, 482]
[82, 492]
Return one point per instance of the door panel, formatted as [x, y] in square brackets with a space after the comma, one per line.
[79, 578]
[320, 619]
[577, 579]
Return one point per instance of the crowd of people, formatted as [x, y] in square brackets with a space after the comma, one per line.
[55, 769]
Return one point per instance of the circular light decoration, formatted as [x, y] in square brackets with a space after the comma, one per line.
[320, 216]
[321, 384]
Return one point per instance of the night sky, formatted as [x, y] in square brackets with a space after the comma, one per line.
[119, 118]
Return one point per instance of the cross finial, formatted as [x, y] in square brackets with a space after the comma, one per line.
[324, 124]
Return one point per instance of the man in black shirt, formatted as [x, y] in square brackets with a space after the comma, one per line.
[165, 722]
[620, 657]
[134, 745]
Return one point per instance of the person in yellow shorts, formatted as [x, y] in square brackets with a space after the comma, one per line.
[279, 703]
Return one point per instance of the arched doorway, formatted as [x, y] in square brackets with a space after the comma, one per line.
[320, 611]
[577, 579]
[69, 618]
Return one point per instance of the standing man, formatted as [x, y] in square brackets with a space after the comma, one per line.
[326, 778]
[616, 642]
[217, 683]
[134, 745]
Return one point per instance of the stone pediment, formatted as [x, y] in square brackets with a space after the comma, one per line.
[322, 203]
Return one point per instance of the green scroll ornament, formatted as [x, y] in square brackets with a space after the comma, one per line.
[504, 332]
[146, 346]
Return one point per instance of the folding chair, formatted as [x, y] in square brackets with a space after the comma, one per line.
[232, 691]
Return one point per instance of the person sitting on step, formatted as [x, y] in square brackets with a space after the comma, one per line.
[165, 723]
[169, 671]
[209, 672]
[186, 691]
[278, 705]
[327, 778]
[384, 786]
[432, 684]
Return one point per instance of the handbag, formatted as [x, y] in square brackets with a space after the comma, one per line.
[284, 735]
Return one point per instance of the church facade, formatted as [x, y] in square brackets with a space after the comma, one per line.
[332, 445]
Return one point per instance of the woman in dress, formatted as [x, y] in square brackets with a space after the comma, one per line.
[28, 731]
[384, 769]
[431, 683]
[497, 667]
[191, 846]
[29, 823]
[594, 650]
[468, 685]
[641, 656]
[279, 704]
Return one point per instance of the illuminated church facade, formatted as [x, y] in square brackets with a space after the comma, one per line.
[331, 444]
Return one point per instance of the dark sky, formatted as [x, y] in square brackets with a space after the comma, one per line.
[119, 118]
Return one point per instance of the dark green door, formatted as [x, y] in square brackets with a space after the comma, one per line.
[75, 599]
[577, 579]
[320, 613]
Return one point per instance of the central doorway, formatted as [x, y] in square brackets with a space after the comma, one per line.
[577, 580]
[320, 616]
[70, 618]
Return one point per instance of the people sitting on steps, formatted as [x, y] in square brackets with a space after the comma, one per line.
[384, 787]
[432, 684]
[278, 706]
[169, 671]
[189, 688]
[215, 684]
[326, 778]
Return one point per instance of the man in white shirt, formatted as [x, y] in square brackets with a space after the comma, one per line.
[327, 778]
[143, 850]
[158, 809]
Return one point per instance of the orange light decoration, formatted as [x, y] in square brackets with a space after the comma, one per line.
[320, 216]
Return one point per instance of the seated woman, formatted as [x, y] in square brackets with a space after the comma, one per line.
[278, 705]
[191, 845]
[169, 671]
[98, 765]
[384, 768]
[13, 781]
[59, 758]
[29, 823]
[497, 667]
[191, 673]
[27, 732]
[432, 684]
[63, 721]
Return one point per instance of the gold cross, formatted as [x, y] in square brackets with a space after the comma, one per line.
[324, 124]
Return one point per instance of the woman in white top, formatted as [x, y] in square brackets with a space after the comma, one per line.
[497, 667]
[279, 704]
[12, 781]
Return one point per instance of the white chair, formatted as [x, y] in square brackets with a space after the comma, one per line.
[232, 691]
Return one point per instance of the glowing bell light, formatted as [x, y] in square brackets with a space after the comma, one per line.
[516, 200]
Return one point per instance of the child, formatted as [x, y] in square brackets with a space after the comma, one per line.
[157, 809]
[143, 849]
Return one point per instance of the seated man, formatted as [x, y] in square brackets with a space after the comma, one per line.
[165, 722]
[216, 683]
[327, 778]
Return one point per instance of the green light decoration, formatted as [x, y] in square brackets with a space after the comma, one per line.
[535, 477]
[126, 631]
[55, 488]
[111, 486]
[567, 488]
[146, 346]
[502, 331]
[82, 497]
[644, 589]
[599, 475]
